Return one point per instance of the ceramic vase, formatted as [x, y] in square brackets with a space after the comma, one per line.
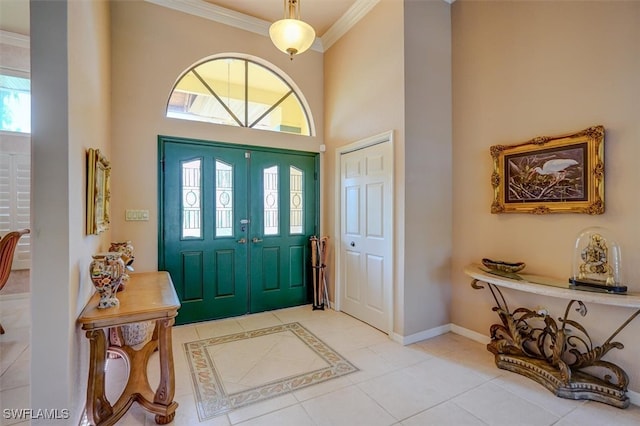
[106, 271]
[126, 249]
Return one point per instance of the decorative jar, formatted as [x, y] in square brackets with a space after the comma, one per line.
[106, 271]
[126, 249]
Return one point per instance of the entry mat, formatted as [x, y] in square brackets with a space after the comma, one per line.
[236, 370]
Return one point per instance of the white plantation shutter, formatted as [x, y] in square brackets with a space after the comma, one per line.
[15, 200]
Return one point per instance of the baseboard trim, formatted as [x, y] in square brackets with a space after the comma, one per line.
[470, 334]
[422, 335]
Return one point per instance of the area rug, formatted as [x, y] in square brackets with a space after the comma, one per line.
[236, 370]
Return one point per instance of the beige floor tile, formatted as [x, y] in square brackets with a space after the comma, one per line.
[261, 408]
[256, 321]
[399, 355]
[445, 344]
[446, 377]
[218, 328]
[290, 416]
[445, 414]
[402, 394]
[13, 345]
[182, 334]
[597, 414]
[497, 406]
[349, 407]
[299, 314]
[353, 338]
[536, 393]
[400, 379]
[187, 414]
[322, 388]
[14, 399]
[17, 374]
[370, 364]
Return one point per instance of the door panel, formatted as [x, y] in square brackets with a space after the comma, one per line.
[283, 219]
[204, 255]
[366, 234]
[236, 225]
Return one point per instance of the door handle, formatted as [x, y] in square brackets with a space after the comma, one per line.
[256, 240]
[353, 244]
[242, 241]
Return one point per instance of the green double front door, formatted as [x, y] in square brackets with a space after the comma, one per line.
[234, 226]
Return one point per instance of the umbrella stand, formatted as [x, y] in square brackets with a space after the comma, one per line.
[318, 257]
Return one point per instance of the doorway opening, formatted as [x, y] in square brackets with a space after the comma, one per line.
[234, 226]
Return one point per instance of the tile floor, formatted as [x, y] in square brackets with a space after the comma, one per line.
[447, 380]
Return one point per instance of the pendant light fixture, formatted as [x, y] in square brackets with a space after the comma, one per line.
[291, 35]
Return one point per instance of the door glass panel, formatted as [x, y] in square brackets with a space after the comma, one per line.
[296, 197]
[191, 209]
[224, 199]
[271, 201]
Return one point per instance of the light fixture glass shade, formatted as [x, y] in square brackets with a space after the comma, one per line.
[292, 36]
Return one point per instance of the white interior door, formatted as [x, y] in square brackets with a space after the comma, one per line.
[15, 195]
[366, 243]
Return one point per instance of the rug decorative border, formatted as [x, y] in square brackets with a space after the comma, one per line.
[211, 398]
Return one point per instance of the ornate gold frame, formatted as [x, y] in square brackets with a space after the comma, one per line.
[98, 192]
[586, 174]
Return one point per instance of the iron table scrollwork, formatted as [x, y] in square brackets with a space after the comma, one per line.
[557, 353]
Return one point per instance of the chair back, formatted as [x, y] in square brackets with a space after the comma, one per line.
[8, 245]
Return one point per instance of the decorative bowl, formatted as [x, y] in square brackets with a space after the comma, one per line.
[499, 265]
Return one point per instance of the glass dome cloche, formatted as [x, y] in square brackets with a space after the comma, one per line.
[597, 262]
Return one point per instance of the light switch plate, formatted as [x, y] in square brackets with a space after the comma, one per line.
[136, 215]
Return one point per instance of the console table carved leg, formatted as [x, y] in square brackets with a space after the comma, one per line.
[166, 388]
[98, 407]
[555, 353]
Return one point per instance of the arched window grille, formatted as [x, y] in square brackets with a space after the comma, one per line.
[238, 91]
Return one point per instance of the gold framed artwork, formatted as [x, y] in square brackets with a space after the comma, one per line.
[550, 174]
[98, 192]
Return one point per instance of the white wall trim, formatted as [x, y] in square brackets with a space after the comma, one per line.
[351, 17]
[224, 16]
[422, 335]
[259, 26]
[470, 334]
[437, 331]
[15, 39]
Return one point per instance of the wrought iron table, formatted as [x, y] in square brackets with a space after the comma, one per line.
[555, 353]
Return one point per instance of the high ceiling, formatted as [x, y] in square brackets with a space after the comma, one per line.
[320, 14]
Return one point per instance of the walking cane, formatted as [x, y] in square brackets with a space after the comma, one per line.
[314, 266]
[323, 259]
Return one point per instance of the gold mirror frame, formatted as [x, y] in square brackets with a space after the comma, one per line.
[98, 192]
[550, 174]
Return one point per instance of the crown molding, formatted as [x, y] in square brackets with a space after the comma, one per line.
[15, 39]
[351, 17]
[224, 16]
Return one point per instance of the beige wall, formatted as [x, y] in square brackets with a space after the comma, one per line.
[151, 47]
[526, 69]
[364, 96]
[70, 89]
[428, 151]
[392, 71]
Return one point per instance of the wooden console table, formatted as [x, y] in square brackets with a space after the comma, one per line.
[149, 296]
[555, 354]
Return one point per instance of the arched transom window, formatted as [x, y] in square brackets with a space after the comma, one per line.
[239, 92]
